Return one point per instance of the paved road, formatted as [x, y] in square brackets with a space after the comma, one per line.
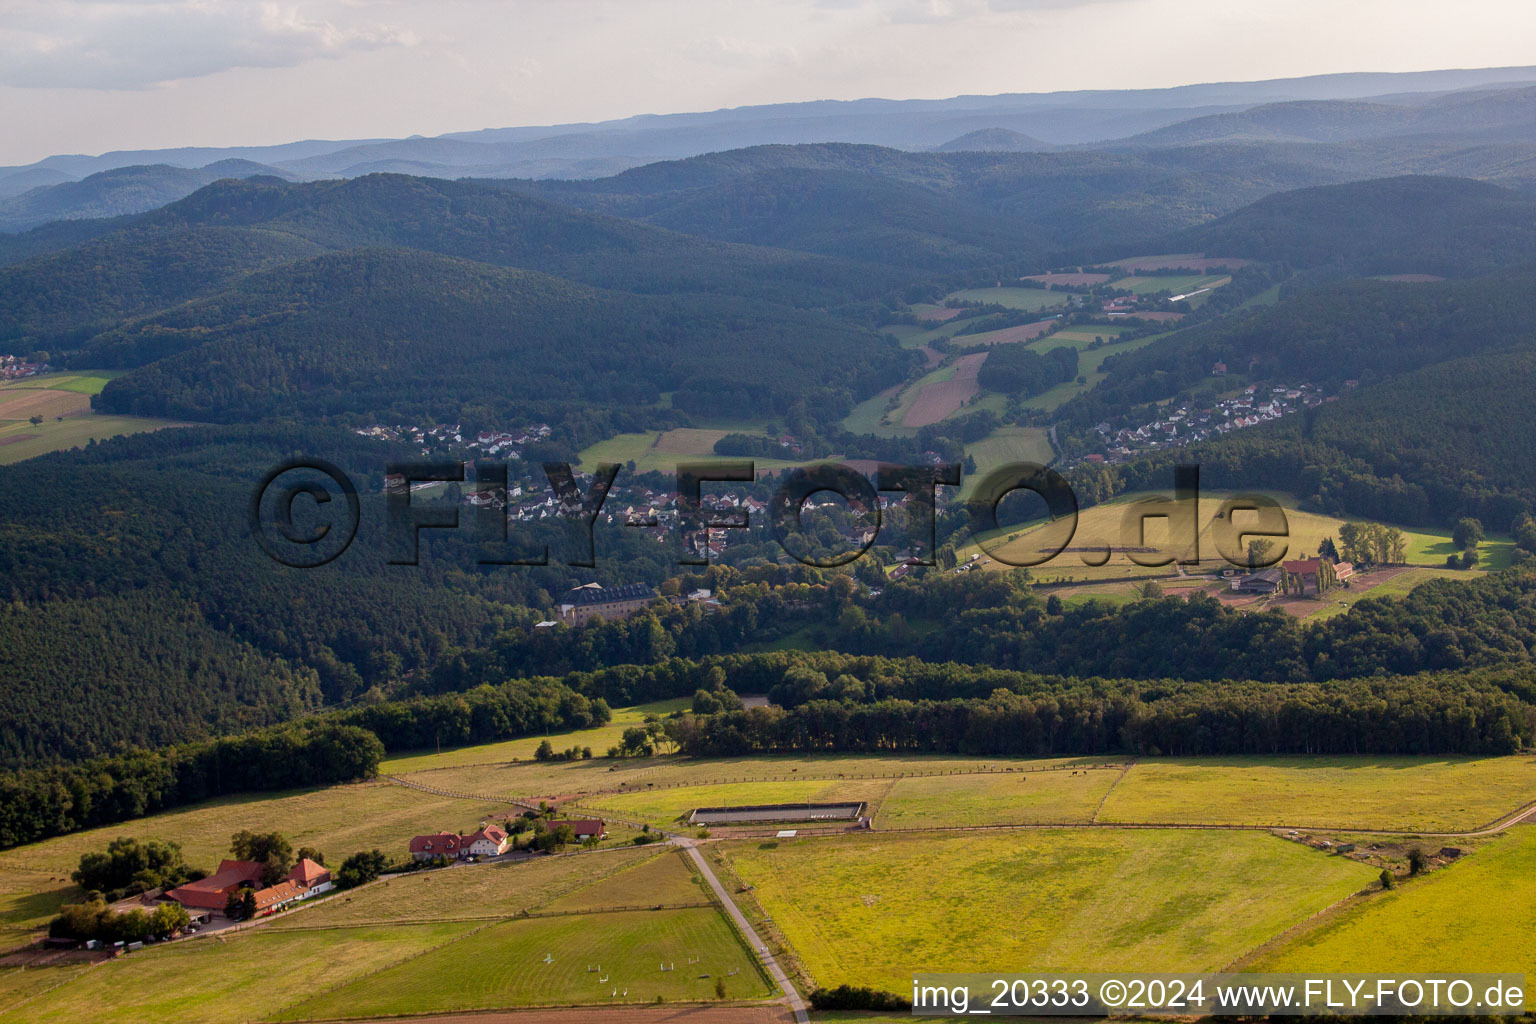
[791, 996]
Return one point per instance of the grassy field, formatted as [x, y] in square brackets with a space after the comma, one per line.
[1089, 361]
[21, 440]
[1106, 524]
[63, 400]
[1018, 798]
[667, 877]
[34, 880]
[870, 909]
[1006, 445]
[505, 965]
[466, 893]
[1400, 793]
[599, 739]
[1178, 284]
[213, 981]
[1478, 914]
[660, 451]
[1028, 299]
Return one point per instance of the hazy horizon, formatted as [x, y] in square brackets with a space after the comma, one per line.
[94, 76]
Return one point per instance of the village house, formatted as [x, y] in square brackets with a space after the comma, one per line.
[488, 842]
[438, 844]
[584, 828]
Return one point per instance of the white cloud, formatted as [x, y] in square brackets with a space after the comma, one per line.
[134, 44]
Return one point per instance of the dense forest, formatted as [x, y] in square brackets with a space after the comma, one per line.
[412, 337]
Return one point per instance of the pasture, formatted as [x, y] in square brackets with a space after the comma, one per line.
[869, 909]
[1106, 524]
[226, 980]
[1478, 914]
[544, 961]
[474, 892]
[1175, 284]
[1030, 300]
[1404, 794]
[1016, 798]
[21, 440]
[599, 739]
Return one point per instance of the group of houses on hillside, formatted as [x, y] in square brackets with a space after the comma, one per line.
[1188, 423]
[15, 368]
[491, 840]
[506, 444]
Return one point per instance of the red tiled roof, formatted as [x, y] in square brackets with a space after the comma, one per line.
[212, 892]
[282, 892]
[437, 844]
[582, 826]
[308, 874]
[490, 832]
[1302, 567]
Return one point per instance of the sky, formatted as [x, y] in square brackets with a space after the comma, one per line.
[89, 76]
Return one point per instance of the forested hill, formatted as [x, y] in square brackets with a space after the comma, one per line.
[1360, 330]
[415, 337]
[491, 224]
[65, 294]
[1451, 227]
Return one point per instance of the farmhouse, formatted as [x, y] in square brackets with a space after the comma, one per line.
[581, 605]
[1318, 572]
[584, 828]
[213, 892]
[488, 842]
[438, 844]
[311, 877]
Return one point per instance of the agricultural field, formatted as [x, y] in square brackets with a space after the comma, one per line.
[1477, 914]
[661, 878]
[1177, 284]
[476, 892]
[599, 739]
[942, 393]
[226, 981]
[1393, 793]
[63, 400]
[866, 909]
[1056, 797]
[1005, 446]
[1028, 299]
[660, 451]
[1104, 524]
[34, 880]
[545, 961]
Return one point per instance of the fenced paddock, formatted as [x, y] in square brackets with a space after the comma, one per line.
[763, 813]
